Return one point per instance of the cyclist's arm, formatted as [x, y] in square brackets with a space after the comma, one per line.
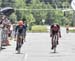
[25, 28]
[16, 30]
[59, 32]
[50, 31]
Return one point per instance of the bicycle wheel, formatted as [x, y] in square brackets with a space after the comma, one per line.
[55, 43]
[19, 44]
[54, 49]
[19, 51]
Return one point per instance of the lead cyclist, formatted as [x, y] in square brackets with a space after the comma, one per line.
[20, 30]
[55, 29]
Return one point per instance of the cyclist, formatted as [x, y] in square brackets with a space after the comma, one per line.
[55, 29]
[19, 31]
[67, 28]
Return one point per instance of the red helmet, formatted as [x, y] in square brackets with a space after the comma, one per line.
[20, 22]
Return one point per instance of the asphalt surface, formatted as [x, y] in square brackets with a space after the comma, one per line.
[38, 48]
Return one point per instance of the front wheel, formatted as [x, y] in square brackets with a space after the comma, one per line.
[55, 42]
[19, 49]
[54, 49]
[19, 43]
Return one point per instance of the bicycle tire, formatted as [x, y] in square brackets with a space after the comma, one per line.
[55, 43]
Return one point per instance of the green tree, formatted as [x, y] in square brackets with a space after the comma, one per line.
[0, 2]
[20, 4]
[36, 16]
[6, 3]
[30, 20]
[13, 18]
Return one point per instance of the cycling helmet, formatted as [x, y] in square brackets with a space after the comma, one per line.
[20, 23]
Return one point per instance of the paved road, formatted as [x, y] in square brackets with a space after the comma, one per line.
[38, 48]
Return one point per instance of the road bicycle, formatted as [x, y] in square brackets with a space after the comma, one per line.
[19, 43]
[55, 39]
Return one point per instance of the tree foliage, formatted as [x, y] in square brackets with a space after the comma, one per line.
[34, 15]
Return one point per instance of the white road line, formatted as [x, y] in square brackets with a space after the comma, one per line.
[26, 56]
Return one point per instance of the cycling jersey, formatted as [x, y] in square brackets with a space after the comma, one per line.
[20, 30]
[55, 29]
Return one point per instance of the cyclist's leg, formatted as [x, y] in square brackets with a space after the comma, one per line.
[57, 38]
[22, 40]
[17, 43]
[24, 36]
[52, 42]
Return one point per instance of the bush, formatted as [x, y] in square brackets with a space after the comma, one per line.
[72, 30]
[39, 28]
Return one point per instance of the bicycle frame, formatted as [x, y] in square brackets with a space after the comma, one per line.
[55, 42]
[19, 42]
